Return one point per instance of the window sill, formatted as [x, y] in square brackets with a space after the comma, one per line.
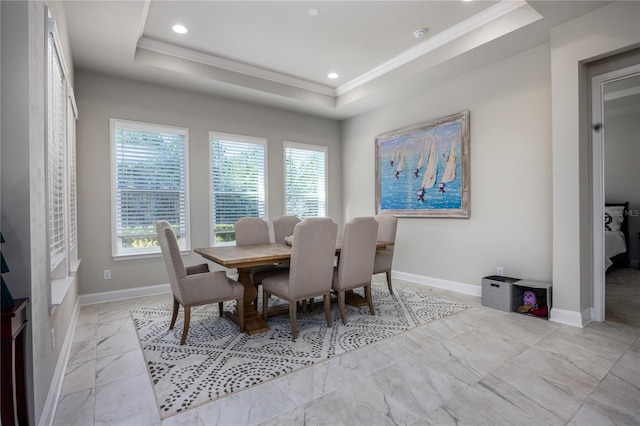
[137, 256]
[59, 288]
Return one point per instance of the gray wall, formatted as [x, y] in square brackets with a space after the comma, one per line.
[100, 97]
[605, 32]
[24, 213]
[510, 224]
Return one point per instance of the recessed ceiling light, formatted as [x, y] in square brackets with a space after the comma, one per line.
[180, 29]
[313, 12]
[333, 75]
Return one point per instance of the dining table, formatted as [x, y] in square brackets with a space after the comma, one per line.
[245, 257]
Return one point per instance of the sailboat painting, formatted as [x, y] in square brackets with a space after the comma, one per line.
[423, 170]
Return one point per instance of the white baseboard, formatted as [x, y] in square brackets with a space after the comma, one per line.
[127, 293]
[576, 319]
[51, 403]
[470, 289]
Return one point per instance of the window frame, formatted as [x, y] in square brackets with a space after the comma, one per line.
[238, 139]
[306, 147]
[63, 265]
[184, 239]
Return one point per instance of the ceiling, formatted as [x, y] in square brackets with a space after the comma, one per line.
[279, 53]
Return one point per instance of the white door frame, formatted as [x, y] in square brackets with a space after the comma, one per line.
[597, 113]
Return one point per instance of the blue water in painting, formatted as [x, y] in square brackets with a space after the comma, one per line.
[401, 193]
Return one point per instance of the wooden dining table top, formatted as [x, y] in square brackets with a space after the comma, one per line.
[248, 256]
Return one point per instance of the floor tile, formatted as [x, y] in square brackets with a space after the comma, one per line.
[479, 366]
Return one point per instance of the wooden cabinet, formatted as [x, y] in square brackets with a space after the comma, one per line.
[13, 380]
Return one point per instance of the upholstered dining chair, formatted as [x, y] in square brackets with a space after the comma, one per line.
[355, 265]
[252, 230]
[283, 226]
[255, 230]
[195, 285]
[310, 271]
[387, 226]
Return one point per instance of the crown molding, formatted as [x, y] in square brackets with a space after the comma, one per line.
[450, 34]
[231, 65]
[437, 41]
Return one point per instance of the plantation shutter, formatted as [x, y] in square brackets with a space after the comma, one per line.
[56, 156]
[238, 183]
[73, 203]
[305, 180]
[151, 185]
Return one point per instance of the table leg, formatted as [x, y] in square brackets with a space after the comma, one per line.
[354, 299]
[253, 321]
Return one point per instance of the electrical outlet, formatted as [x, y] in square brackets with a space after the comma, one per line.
[499, 271]
[107, 274]
[53, 338]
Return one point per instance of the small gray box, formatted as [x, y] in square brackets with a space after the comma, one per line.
[497, 291]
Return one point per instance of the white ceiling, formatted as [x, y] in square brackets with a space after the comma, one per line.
[276, 53]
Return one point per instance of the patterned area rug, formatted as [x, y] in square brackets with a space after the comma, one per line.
[218, 360]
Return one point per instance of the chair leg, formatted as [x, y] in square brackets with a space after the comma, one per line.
[292, 318]
[389, 283]
[240, 312]
[221, 308]
[311, 303]
[176, 307]
[343, 311]
[327, 309]
[369, 296]
[265, 304]
[187, 320]
[303, 303]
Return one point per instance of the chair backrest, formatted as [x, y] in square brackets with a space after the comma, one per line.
[283, 226]
[171, 254]
[358, 253]
[252, 230]
[312, 255]
[387, 226]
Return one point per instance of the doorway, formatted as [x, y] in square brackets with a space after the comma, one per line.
[616, 154]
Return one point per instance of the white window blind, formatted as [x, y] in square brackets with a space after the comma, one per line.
[305, 180]
[71, 146]
[238, 184]
[150, 179]
[56, 146]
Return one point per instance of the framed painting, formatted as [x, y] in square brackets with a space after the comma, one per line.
[423, 170]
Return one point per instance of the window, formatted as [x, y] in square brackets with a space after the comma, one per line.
[238, 183]
[56, 158]
[305, 180]
[61, 114]
[149, 178]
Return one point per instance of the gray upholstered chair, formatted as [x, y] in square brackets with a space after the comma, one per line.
[310, 271]
[252, 230]
[255, 230]
[195, 285]
[355, 265]
[387, 225]
[283, 226]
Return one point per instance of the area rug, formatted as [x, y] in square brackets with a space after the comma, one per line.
[218, 360]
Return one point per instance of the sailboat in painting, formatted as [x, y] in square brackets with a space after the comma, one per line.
[421, 159]
[449, 174]
[392, 161]
[400, 167]
[430, 172]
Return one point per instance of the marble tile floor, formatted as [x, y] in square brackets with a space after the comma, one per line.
[479, 367]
